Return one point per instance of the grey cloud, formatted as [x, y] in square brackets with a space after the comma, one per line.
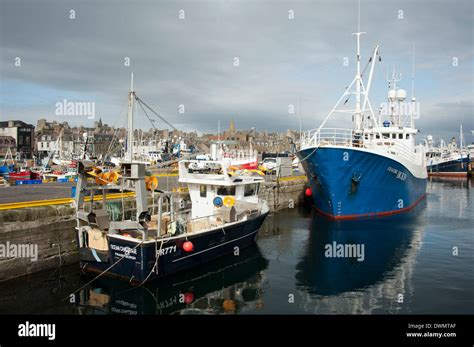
[190, 61]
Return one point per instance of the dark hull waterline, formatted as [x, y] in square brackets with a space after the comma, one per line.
[138, 264]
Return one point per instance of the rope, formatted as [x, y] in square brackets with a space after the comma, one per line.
[362, 73]
[365, 68]
[113, 138]
[309, 155]
[122, 202]
[157, 252]
[157, 257]
[103, 272]
[140, 101]
[146, 114]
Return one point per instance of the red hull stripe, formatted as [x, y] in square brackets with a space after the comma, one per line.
[447, 174]
[367, 215]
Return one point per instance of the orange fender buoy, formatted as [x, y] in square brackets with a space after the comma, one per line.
[188, 246]
[229, 305]
[151, 182]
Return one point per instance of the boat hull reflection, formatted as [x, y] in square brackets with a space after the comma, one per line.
[228, 285]
[382, 272]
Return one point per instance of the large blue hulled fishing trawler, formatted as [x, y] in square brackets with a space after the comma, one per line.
[373, 169]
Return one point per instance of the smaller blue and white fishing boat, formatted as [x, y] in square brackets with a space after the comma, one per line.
[446, 160]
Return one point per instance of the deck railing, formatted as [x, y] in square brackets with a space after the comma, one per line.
[216, 220]
[351, 138]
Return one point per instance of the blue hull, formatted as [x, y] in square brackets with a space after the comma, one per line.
[364, 185]
[456, 167]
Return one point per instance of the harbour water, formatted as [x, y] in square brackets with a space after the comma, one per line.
[418, 263]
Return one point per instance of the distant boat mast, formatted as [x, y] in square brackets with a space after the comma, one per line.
[131, 97]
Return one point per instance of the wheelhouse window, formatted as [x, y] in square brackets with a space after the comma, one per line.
[400, 136]
[394, 136]
[250, 189]
[407, 136]
[203, 190]
[223, 190]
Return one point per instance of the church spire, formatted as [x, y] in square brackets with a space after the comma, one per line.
[232, 127]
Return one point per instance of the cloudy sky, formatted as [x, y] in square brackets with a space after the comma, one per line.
[191, 61]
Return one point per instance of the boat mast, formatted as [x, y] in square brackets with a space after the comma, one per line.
[394, 116]
[131, 97]
[358, 116]
[413, 99]
[357, 112]
[60, 145]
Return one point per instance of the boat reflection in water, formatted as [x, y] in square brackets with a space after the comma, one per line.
[460, 202]
[440, 183]
[377, 280]
[229, 285]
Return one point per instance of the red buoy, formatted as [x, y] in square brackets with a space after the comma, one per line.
[308, 192]
[188, 246]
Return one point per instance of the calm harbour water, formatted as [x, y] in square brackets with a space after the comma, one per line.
[408, 267]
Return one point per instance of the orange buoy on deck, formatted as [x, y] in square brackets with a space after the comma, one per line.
[229, 305]
[151, 182]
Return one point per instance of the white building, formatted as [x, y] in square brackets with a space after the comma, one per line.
[63, 147]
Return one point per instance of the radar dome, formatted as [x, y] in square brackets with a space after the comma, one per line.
[401, 94]
[392, 95]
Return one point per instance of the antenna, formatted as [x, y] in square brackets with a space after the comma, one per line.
[396, 77]
[413, 74]
[299, 113]
[358, 17]
[358, 80]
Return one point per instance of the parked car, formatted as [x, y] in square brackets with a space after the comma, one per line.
[269, 165]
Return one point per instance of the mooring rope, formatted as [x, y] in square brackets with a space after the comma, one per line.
[103, 272]
[157, 256]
